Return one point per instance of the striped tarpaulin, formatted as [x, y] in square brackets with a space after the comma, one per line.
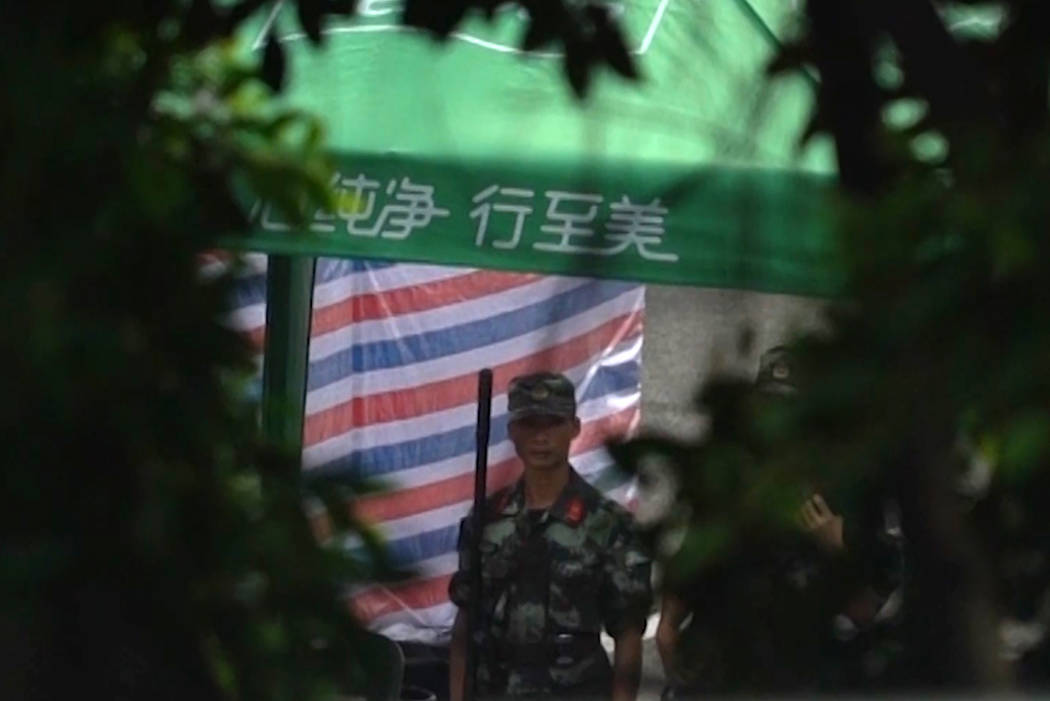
[392, 387]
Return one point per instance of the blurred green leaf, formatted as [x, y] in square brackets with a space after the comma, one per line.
[1025, 446]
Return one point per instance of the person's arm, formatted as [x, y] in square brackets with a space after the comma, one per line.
[457, 658]
[878, 540]
[828, 530]
[672, 613]
[626, 596]
[823, 524]
[627, 664]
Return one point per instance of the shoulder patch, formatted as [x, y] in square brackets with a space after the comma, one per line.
[613, 508]
[612, 521]
[618, 510]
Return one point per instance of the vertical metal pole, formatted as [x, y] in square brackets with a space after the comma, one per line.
[289, 306]
[475, 624]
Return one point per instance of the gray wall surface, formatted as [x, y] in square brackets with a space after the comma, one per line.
[692, 333]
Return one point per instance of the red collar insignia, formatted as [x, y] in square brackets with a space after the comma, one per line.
[574, 513]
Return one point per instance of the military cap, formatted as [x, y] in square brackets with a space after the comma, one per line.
[541, 394]
[776, 372]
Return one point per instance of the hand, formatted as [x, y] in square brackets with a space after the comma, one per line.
[823, 523]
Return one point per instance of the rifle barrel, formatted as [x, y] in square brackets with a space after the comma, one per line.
[481, 462]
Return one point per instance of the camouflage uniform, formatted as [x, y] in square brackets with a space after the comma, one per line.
[550, 581]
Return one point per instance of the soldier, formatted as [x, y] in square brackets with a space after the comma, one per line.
[559, 563]
[792, 575]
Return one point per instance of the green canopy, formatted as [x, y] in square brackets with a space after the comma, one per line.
[472, 153]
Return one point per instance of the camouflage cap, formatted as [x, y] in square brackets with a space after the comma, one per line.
[541, 394]
[776, 372]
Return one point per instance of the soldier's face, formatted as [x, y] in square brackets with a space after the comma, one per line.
[542, 442]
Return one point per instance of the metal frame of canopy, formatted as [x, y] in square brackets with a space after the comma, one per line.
[289, 306]
[289, 289]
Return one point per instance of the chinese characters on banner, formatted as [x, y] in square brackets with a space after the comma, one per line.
[412, 207]
[569, 222]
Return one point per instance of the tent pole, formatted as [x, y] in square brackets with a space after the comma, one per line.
[289, 306]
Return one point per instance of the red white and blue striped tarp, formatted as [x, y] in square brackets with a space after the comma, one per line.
[392, 388]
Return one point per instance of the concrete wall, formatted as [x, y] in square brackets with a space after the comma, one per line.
[692, 333]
